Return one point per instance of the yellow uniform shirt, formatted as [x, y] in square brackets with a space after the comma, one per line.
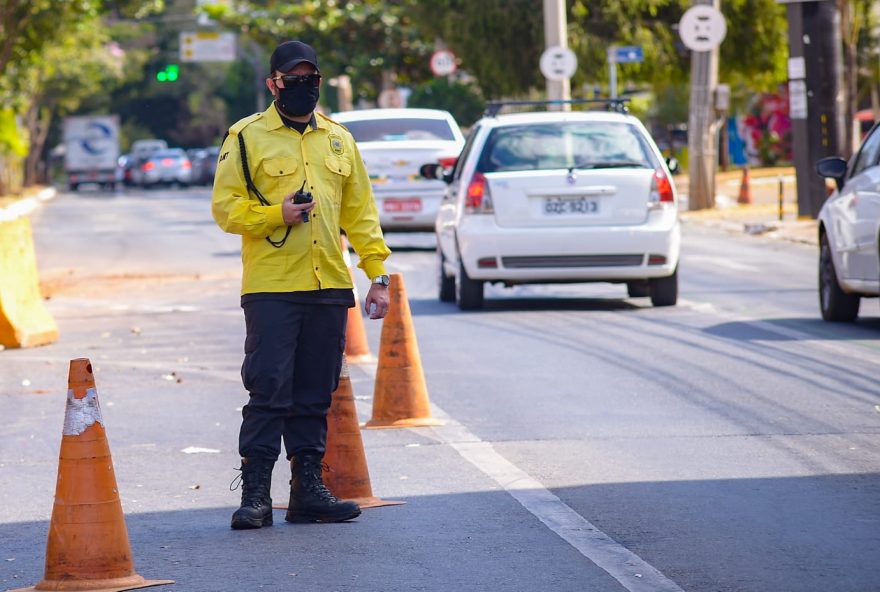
[279, 160]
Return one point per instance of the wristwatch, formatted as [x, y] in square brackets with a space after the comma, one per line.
[382, 279]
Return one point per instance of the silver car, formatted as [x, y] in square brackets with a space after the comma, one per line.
[167, 167]
[849, 232]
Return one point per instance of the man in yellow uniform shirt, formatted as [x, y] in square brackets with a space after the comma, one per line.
[287, 180]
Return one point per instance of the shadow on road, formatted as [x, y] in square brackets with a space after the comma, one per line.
[775, 330]
[426, 307]
[810, 534]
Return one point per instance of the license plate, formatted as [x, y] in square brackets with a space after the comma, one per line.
[402, 205]
[571, 205]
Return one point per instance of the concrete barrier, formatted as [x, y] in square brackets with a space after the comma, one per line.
[24, 319]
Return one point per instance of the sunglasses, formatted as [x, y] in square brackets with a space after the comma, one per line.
[292, 79]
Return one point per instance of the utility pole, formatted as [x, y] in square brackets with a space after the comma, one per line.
[702, 158]
[816, 101]
[555, 35]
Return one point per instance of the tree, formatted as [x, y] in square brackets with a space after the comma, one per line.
[463, 101]
[362, 39]
[754, 51]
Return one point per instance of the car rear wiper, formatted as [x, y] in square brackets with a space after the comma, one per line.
[609, 164]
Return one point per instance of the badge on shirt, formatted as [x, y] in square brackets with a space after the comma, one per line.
[336, 144]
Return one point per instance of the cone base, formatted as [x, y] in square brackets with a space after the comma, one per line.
[410, 422]
[112, 585]
[363, 502]
[374, 502]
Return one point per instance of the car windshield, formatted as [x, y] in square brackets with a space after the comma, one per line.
[565, 145]
[399, 130]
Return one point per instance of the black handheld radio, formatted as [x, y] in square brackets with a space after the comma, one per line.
[303, 197]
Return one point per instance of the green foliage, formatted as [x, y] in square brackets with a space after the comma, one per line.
[361, 39]
[498, 41]
[12, 142]
[463, 101]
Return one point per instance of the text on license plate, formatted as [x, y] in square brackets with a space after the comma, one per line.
[393, 204]
[571, 205]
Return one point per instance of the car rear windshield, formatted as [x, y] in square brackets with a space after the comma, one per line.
[565, 144]
[168, 154]
[399, 130]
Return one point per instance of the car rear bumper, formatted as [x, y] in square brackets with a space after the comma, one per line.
[609, 253]
[397, 209]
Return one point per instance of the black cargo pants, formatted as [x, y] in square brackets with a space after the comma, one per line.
[293, 356]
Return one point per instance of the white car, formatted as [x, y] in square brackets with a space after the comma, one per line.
[849, 232]
[555, 197]
[394, 143]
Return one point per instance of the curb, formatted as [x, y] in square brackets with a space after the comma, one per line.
[27, 205]
[804, 233]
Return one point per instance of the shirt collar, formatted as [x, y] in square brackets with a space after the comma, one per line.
[273, 119]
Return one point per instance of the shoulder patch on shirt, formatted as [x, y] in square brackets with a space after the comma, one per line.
[223, 156]
[336, 144]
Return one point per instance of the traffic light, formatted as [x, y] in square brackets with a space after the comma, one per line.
[169, 74]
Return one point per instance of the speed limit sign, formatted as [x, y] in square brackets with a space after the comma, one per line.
[443, 62]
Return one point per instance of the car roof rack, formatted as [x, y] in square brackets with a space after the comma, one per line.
[616, 105]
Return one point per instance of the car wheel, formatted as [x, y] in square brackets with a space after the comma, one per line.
[664, 291]
[638, 289]
[468, 292]
[445, 283]
[835, 304]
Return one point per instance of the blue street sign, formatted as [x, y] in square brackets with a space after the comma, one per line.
[629, 54]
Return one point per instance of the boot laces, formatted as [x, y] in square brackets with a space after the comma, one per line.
[253, 484]
[315, 482]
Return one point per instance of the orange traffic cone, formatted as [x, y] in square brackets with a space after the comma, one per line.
[356, 347]
[400, 396]
[88, 543]
[745, 189]
[345, 463]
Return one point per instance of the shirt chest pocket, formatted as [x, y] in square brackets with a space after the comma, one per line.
[278, 177]
[336, 173]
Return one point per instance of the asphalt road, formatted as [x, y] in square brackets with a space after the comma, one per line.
[592, 442]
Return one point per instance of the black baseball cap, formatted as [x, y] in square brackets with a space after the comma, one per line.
[290, 53]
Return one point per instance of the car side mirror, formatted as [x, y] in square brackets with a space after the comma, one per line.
[436, 171]
[672, 165]
[832, 167]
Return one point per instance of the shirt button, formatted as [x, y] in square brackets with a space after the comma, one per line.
[314, 242]
[316, 269]
[307, 164]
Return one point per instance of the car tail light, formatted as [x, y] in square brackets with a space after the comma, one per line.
[448, 162]
[187, 164]
[148, 166]
[661, 189]
[167, 162]
[478, 200]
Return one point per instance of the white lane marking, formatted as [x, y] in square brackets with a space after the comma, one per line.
[633, 573]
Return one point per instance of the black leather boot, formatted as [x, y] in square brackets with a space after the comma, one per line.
[310, 500]
[256, 503]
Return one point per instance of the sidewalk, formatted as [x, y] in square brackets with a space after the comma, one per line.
[12, 208]
[759, 218]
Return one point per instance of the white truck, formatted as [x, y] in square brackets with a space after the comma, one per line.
[91, 153]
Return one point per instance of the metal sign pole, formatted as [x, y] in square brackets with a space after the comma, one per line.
[612, 72]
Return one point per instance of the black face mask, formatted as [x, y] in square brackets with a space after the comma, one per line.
[298, 100]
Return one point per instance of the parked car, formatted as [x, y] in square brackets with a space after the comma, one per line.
[140, 152]
[167, 167]
[393, 144]
[849, 232]
[205, 165]
[553, 197]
